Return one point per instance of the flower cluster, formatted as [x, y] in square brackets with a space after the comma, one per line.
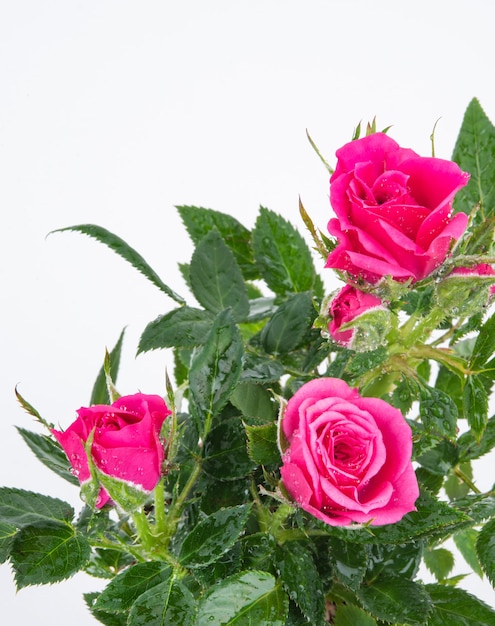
[301, 467]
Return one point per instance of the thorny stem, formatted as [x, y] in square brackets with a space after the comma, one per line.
[465, 479]
[160, 516]
[175, 511]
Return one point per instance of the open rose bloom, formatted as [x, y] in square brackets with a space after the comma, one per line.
[126, 443]
[394, 210]
[348, 457]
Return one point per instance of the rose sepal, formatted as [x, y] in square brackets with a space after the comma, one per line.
[463, 295]
[128, 496]
[91, 488]
[371, 329]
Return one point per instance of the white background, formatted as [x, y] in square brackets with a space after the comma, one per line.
[113, 112]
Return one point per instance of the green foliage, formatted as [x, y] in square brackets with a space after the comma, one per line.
[440, 562]
[485, 549]
[213, 536]
[215, 369]
[220, 540]
[246, 598]
[100, 393]
[474, 152]
[297, 570]
[455, 606]
[47, 552]
[49, 453]
[186, 327]
[216, 279]
[282, 255]
[123, 249]
[398, 600]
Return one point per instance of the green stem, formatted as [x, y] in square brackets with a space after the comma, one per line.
[295, 534]
[160, 516]
[278, 518]
[143, 529]
[423, 328]
[175, 511]
[465, 479]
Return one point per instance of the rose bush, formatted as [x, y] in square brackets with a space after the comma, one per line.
[126, 443]
[347, 305]
[393, 210]
[348, 458]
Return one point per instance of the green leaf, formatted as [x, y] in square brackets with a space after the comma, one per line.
[225, 451]
[475, 405]
[100, 393]
[301, 580]
[474, 152]
[254, 402]
[401, 559]
[108, 619]
[289, 324]
[262, 444]
[440, 459]
[485, 549]
[484, 345]
[7, 534]
[352, 615]
[47, 553]
[397, 600]
[22, 508]
[362, 362]
[465, 541]
[29, 408]
[282, 255]
[221, 493]
[428, 480]
[439, 561]
[261, 370]
[244, 599]
[216, 279]
[479, 507]
[199, 222]
[470, 448]
[438, 412]
[452, 605]
[349, 561]
[167, 604]
[185, 327]
[432, 519]
[127, 586]
[119, 246]
[456, 486]
[215, 369]
[49, 453]
[213, 536]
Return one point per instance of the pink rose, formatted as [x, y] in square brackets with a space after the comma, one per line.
[126, 442]
[348, 304]
[393, 210]
[349, 458]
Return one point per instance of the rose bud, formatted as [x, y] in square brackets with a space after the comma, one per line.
[126, 441]
[359, 319]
